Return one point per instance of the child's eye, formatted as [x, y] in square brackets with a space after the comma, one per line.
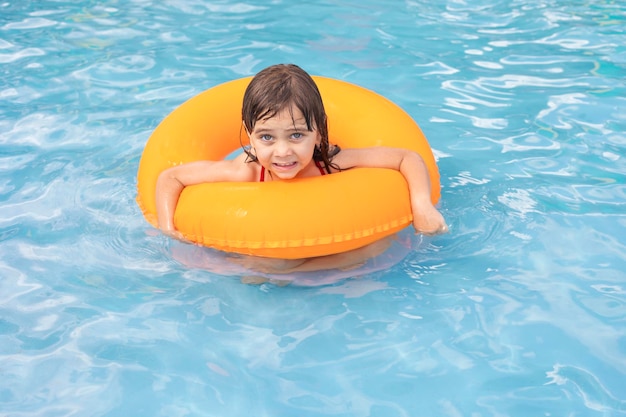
[265, 138]
[296, 135]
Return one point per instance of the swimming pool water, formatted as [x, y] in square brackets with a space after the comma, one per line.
[519, 311]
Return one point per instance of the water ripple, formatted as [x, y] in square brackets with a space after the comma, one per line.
[29, 23]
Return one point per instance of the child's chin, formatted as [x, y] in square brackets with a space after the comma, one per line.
[285, 174]
[285, 177]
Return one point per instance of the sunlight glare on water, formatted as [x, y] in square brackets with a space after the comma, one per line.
[519, 311]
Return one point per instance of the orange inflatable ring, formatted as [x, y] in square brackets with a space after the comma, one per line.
[286, 219]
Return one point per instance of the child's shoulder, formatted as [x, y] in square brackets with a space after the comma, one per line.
[244, 169]
[342, 155]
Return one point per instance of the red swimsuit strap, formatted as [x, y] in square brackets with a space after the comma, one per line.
[319, 166]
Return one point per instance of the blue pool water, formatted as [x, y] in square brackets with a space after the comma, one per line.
[519, 311]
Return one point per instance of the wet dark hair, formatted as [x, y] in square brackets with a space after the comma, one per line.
[282, 86]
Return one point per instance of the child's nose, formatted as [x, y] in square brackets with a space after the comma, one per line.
[283, 147]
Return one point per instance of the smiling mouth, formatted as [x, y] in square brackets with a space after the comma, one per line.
[284, 165]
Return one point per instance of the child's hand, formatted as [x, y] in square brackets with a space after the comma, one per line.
[428, 221]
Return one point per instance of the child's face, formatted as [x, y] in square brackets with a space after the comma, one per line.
[284, 146]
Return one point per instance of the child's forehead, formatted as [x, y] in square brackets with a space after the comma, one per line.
[285, 119]
[290, 111]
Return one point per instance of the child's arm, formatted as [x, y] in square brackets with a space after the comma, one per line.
[426, 218]
[172, 181]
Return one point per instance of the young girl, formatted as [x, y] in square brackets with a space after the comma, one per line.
[284, 117]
